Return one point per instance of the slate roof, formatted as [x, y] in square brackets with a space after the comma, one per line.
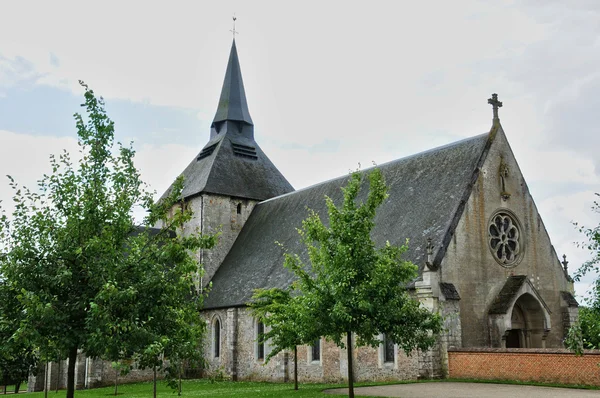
[225, 173]
[427, 193]
[449, 291]
[502, 302]
[233, 104]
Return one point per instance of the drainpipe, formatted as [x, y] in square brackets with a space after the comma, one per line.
[87, 366]
[202, 232]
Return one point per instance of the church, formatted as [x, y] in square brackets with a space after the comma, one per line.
[486, 262]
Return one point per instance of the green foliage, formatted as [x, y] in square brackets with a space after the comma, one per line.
[276, 308]
[86, 277]
[17, 357]
[593, 246]
[586, 333]
[589, 319]
[217, 375]
[349, 285]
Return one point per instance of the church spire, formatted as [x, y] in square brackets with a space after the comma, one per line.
[232, 104]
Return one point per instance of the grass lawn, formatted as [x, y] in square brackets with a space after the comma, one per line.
[204, 388]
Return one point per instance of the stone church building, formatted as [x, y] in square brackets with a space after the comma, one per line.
[485, 259]
[486, 262]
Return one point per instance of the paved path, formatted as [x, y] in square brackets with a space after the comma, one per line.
[467, 390]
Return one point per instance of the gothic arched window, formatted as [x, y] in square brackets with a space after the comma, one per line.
[388, 349]
[260, 345]
[217, 338]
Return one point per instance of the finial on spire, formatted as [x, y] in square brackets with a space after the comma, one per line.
[235, 32]
[565, 263]
[495, 105]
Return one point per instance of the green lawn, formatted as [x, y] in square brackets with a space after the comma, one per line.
[204, 388]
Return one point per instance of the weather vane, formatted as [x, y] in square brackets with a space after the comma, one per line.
[235, 32]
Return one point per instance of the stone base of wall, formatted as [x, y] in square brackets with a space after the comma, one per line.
[89, 373]
[539, 365]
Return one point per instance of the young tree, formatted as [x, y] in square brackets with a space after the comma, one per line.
[275, 308]
[586, 333]
[86, 275]
[350, 287]
[17, 356]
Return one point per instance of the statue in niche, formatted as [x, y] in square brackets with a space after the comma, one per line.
[503, 176]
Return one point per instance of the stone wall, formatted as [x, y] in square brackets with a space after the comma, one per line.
[238, 356]
[540, 365]
[89, 373]
[217, 213]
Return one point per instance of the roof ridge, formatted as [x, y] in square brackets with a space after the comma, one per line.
[459, 210]
[385, 164]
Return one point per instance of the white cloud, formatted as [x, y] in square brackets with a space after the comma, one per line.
[25, 157]
[160, 165]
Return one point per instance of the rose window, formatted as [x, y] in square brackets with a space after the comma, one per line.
[504, 239]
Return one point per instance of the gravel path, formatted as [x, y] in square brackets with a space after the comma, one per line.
[467, 390]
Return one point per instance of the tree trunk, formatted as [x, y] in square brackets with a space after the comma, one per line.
[295, 367]
[180, 372]
[350, 370]
[116, 381]
[17, 387]
[154, 381]
[71, 373]
[46, 380]
[58, 376]
[5, 389]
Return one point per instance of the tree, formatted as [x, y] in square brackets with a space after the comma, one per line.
[17, 357]
[88, 278]
[275, 308]
[586, 333]
[350, 287]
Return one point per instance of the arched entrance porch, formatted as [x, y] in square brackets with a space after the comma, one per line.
[528, 329]
[519, 317]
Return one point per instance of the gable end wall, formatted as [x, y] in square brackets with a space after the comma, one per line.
[470, 266]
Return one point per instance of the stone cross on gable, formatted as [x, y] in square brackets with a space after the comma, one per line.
[495, 104]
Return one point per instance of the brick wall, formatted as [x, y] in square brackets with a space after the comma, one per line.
[541, 365]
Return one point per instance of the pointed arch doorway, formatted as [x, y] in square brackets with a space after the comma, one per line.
[528, 328]
[519, 317]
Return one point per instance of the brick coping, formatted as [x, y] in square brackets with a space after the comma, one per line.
[522, 350]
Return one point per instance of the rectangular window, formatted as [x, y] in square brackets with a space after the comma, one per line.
[388, 349]
[260, 347]
[316, 350]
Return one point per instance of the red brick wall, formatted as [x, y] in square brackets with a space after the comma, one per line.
[541, 365]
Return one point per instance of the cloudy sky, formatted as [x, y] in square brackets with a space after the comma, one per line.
[329, 85]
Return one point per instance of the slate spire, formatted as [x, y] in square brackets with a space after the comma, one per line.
[232, 163]
[233, 106]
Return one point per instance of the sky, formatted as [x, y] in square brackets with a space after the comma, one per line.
[330, 86]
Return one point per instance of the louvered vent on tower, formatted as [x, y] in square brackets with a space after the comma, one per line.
[244, 151]
[207, 151]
